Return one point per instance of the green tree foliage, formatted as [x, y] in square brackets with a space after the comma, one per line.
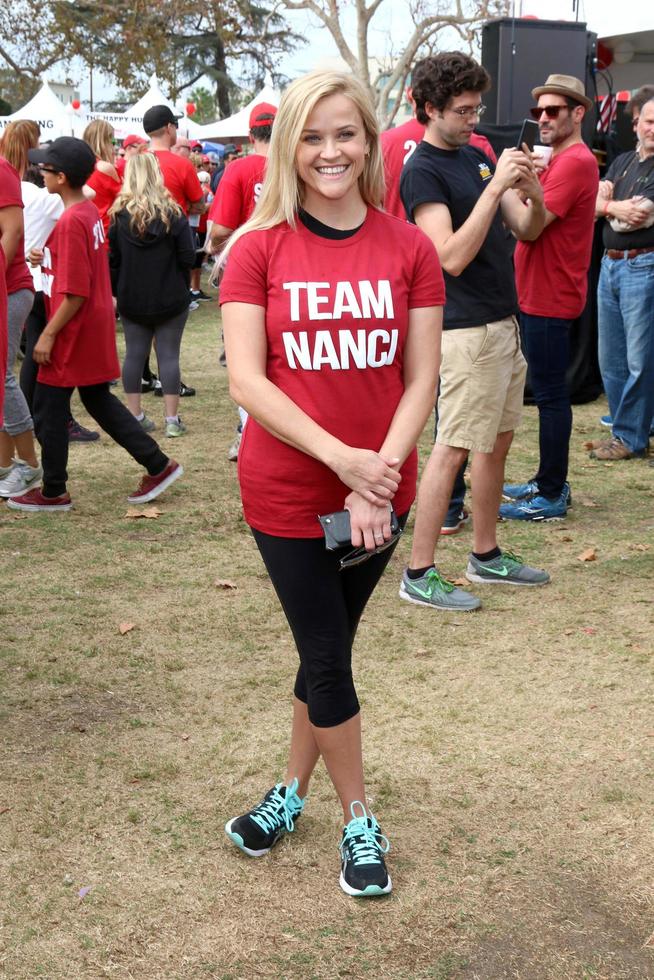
[205, 105]
[231, 43]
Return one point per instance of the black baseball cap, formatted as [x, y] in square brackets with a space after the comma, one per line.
[66, 155]
[157, 117]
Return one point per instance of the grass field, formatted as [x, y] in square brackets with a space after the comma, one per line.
[508, 753]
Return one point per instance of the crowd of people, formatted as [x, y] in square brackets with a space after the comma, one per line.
[358, 276]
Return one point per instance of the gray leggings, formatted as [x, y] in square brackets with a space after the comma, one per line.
[138, 341]
[17, 413]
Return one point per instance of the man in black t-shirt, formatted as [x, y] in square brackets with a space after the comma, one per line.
[455, 194]
[625, 295]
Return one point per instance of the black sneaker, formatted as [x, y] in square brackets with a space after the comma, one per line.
[185, 391]
[260, 829]
[150, 384]
[199, 296]
[77, 432]
[363, 870]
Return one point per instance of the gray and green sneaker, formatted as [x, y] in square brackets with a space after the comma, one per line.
[175, 428]
[433, 590]
[506, 569]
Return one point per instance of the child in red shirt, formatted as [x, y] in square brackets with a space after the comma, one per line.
[78, 346]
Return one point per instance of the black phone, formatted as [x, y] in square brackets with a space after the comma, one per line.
[528, 134]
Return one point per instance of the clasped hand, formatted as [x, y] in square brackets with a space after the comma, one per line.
[376, 479]
[370, 523]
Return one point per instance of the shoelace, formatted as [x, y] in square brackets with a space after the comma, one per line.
[512, 557]
[277, 809]
[363, 838]
[436, 581]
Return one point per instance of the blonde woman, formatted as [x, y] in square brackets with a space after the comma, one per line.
[332, 316]
[151, 252]
[104, 181]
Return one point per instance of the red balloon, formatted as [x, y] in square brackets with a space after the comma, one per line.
[604, 56]
[76, 103]
[190, 108]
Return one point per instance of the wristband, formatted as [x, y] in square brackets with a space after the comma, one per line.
[605, 209]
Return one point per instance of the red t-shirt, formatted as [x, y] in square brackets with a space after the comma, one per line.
[337, 316]
[180, 178]
[120, 165]
[17, 274]
[3, 333]
[552, 272]
[106, 191]
[75, 263]
[238, 191]
[397, 146]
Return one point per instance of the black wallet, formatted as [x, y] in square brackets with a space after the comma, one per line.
[338, 534]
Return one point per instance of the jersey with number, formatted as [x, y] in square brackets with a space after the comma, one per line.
[238, 191]
[337, 322]
[397, 147]
[75, 264]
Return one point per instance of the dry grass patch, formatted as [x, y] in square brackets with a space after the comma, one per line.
[508, 752]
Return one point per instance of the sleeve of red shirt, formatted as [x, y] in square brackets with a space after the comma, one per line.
[10, 193]
[427, 286]
[73, 272]
[562, 187]
[192, 186]
[226, 205]
[244, 279]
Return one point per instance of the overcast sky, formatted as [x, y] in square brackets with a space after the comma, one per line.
[605, 17]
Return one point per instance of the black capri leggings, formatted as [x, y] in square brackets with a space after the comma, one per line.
[323, 606]
[138, 341]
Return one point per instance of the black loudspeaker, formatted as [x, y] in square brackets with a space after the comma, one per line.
[519, 55]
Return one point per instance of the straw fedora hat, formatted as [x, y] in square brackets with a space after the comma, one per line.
[564, 85]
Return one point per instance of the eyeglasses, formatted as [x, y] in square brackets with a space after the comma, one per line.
[467, 112]
[360, 555]
[551, 111]
[47, 170]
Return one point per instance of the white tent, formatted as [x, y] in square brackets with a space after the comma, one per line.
[238, 125]
[54, 118]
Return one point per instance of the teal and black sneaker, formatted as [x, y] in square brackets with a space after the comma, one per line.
[506, 569]
[537, 508]
[433, 590]
[258, 830]
[363, 869]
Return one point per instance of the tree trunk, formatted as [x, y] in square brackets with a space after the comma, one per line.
[221, 80]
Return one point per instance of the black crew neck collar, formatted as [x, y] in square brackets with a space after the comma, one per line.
[326, 231]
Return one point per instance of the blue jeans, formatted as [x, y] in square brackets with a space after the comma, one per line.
[625, 296]
[546, 343]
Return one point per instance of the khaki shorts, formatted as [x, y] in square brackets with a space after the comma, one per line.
[482, 384]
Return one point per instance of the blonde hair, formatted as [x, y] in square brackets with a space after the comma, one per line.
[144, 196]
[100, 135]
[282, 191]
[19, 137]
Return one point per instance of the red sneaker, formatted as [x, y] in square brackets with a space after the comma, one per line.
[34, 500]
[151, 486]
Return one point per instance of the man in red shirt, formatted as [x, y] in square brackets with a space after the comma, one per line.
[551, 279]
[236, 195]
[178, 172]
[239, 190]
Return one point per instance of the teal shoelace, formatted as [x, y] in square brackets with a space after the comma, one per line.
[436, 581]
[278, 809]
[363, 837]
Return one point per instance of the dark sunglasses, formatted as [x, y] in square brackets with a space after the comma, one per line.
[48, 170]
[551, 111]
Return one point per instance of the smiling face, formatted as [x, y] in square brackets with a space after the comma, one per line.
[331, 154]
